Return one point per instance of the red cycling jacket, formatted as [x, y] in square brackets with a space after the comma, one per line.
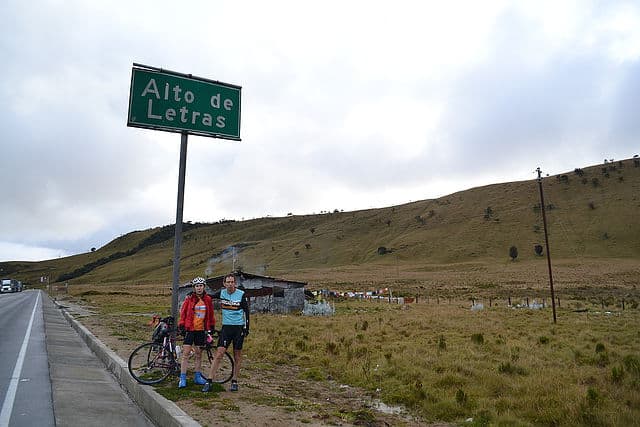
[187, 310]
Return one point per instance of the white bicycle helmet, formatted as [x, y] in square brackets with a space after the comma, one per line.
[199, 281]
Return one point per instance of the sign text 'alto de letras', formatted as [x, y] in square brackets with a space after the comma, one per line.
[182, 103]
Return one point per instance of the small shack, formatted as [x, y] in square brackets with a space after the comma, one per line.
[265, 294]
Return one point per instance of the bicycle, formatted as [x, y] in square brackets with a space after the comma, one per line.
[153, 362]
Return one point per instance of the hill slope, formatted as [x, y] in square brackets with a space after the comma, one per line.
[591, 213]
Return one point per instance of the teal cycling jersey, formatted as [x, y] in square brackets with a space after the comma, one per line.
[235, 310]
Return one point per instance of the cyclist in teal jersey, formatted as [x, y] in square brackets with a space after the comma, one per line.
[235, 326]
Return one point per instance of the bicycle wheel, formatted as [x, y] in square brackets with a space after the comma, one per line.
[151, 363]
[225, 369]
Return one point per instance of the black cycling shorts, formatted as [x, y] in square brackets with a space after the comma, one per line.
[231, 334]
[195, 338]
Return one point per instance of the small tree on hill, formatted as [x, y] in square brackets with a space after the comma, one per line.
[513, 253]
[538, 249]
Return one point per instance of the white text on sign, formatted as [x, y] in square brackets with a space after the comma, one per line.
[185, 114]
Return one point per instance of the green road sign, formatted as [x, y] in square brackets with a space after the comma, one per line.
[174, 102]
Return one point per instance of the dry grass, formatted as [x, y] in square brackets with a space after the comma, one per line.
[442, 361]
[430, 358]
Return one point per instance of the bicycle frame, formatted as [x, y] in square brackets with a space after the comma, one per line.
[153, 362]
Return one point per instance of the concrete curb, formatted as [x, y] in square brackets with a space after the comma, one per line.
[162, 412]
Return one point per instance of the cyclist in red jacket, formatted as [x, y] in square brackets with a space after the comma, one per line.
[196, 318]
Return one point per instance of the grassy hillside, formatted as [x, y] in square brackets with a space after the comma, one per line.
[592, 214]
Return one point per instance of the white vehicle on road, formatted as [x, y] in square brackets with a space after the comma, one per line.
[11, 285]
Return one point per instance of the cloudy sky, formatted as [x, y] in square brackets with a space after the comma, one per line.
[345, 105]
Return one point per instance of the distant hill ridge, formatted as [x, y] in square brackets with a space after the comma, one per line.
[591, 212]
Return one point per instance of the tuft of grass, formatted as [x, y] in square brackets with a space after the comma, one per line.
[315, 374]
[632, 364]
[477, 339]
[617, 373]
[332, 348]
[450, 381]
[593, 397]
[362, 416]
[442, 343]
[461, 397]
[511, 369]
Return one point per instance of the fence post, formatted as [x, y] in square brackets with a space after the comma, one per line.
[622, 303]
[527, 301]
[509, 300]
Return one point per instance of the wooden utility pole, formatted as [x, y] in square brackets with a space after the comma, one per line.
[546, 239]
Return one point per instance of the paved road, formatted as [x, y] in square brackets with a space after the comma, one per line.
[25, 389]
[48, 376]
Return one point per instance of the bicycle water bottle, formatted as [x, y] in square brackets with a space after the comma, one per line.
[178, 352]
[209, 338]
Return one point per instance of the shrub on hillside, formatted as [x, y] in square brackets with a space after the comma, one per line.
[488, 212]
[513, 253]
[383, 250]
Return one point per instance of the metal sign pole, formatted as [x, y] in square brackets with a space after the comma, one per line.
[546, 239]
[177, 245]
[206, 108]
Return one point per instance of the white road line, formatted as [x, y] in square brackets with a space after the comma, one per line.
[7, 406]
